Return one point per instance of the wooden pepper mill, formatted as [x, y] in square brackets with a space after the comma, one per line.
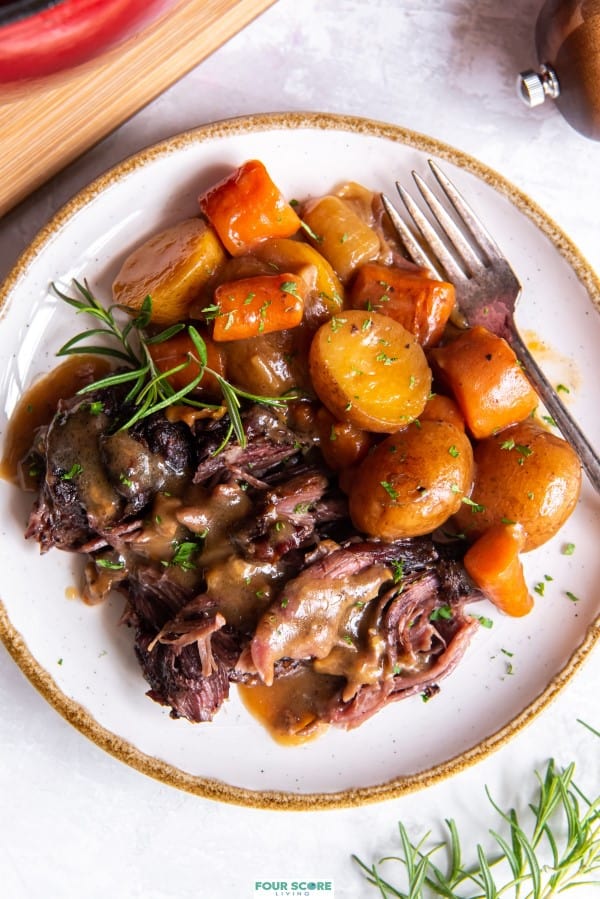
[567, 38]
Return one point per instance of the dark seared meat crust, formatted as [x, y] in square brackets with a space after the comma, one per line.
[218, 554]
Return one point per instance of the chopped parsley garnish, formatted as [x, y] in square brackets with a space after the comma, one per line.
[508, 444]
[385, 359]
[337, 323]
[397, 566]
[444, 612]
[389, 490]
[475, 507]
[183, 555]
[74, 470]
[290, 287]
[310, 232]
[110, 565]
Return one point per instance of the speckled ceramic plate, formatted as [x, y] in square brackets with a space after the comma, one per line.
[82, 660]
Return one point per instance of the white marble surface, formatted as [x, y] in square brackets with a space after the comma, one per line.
[73, 821]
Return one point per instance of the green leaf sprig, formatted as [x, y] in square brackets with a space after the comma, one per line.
[564, 827]
[150, 389]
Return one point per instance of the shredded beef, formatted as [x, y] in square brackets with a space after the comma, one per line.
[171, 523]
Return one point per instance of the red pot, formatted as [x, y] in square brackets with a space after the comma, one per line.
[40, 37]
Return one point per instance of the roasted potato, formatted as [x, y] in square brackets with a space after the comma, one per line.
[342, 443]
[369, 370]
[442, 408]
[269, 365]
[172, 268]
[412, 482]
[524, 475]
[340, 235]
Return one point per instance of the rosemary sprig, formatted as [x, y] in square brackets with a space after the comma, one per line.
[564, 826]
[150, 390]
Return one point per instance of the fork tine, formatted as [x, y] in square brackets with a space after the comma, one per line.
[412, 246]
[473, 263]
[451, 267]
[479, 232]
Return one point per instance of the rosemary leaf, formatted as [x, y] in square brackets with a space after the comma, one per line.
[122, 377]
[225, 440]
[142, 319]
[135, 388]
[455, 853]
[142, 411]
[170, 400]
[199, 345]
[233, 407]
[74, 341]
[93, 351]
[165, 335]
[150, 390]
[564, 825]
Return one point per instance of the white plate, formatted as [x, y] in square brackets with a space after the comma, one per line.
[80, 658]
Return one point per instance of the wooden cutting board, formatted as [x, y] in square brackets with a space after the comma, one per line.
[45, 125]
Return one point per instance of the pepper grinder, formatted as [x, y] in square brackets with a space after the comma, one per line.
[567, 39]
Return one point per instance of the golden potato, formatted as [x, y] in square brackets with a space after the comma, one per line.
[340, 235]
[342, 444]
[524, 475]
[412, 482]
[172, 267]
[287, 255]
[369, 370]
[268, 365]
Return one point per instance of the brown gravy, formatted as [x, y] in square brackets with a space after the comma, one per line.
[38, 405]
[289, 709]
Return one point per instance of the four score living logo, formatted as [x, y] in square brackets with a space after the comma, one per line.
[280, 888]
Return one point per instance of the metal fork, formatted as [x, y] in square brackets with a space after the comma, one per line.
[486, 287]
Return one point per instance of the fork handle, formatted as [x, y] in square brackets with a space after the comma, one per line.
[564, 421]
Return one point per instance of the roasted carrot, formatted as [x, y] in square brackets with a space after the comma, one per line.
[494, 563]
[179, 350]
[422, 304]
[246, 208]
[253, 306]
[485, 378]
